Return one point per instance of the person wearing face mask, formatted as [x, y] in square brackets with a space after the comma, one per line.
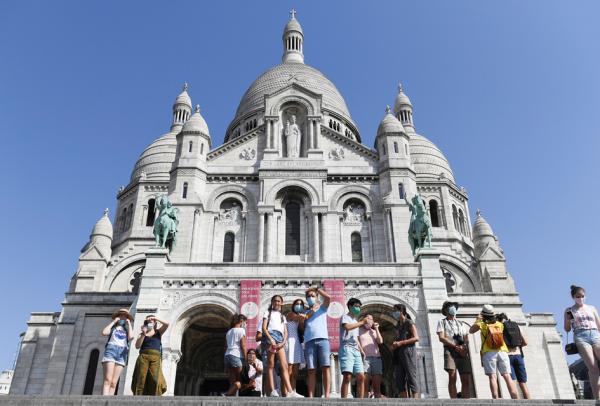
[295, 327]
[235, 353]
[116, 350]
[351, 352]
[148, 378]
[370, 340]
[584, 321]
[405, 355]
[317, 351]
[454, 335]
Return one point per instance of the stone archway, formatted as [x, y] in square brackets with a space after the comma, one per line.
[200, 371]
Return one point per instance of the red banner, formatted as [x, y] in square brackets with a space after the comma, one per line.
[337, 308]
[249, 307]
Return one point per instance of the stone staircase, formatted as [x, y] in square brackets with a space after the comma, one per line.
[18, 400]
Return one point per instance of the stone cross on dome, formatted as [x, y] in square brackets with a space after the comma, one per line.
[478, 212]
[185, 86]
[388, 110]
[292, 14]
[400, 88]
[197, 108]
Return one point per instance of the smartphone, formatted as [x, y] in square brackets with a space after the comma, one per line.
[570, 314]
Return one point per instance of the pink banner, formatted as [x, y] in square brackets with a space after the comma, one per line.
[249, 307]
[337, 308]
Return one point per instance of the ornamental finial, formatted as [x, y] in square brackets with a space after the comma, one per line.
[106, 212]
[388, 110]
[478, 213]
[197, 108]
[292, 14]
[185, 86]
[400, 88]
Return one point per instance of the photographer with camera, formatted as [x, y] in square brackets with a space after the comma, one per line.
[494, 352]
[454, 335]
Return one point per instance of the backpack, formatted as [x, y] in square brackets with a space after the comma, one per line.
[512, 334]
[495, 337]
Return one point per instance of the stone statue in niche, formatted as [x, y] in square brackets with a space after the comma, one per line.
[231, 214]
[293, 138]
[354, 213]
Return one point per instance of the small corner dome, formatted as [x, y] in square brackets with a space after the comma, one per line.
[196, 123]
[481, 228]
[390, 124]
[427, 159]
[293, 25]
[103, 226]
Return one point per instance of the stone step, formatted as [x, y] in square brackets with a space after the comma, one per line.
[29, 400]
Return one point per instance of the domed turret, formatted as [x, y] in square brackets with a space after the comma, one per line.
[182, 108]
[102, 235]
[293, 41]
[403, 108]
[390, 124]
[196, 124]
[483, 236]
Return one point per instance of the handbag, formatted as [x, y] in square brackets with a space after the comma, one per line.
[570, 348]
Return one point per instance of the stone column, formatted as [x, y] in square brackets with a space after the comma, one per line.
[388, 232]
[275, 136]
[369, 219]
[243, 239]
[194, 232]
[316, 238]
[261, 236]
[170, 358]
[310, 134]
[325, 235]
[270, 236]
[268, 133]
[316, 134]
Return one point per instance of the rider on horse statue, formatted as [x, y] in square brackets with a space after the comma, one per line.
[165, 226]
[419, 231]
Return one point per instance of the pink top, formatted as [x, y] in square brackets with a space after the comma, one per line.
[583, 318]
[368, 341]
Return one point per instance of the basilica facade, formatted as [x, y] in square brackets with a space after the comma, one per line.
[291, 199]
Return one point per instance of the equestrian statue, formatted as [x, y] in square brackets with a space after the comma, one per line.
[419, 231]
[165, 226]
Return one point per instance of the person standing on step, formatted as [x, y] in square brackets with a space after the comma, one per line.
[405, 354]
[370, 340]
[294, 350]
[116, 350]
[454, 335]
[148, 377]
[494, 352]
[235, 353]
[275, 335]
[515, 341]
[317, 351]
[584, 321]
[351, 353]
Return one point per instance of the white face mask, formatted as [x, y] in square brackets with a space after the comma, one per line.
[579, 300]
[150, 326]
[452, 311]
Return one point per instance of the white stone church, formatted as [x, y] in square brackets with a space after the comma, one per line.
[291, 198]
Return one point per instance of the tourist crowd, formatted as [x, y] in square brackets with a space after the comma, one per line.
[300, 338]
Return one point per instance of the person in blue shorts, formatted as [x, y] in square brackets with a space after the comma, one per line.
[351, 352]
[316, 339]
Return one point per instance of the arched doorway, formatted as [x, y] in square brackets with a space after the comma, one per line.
[200, 371]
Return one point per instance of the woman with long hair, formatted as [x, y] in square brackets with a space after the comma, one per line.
[584, 321]
[116, 350]
[295, 327]
[148, 378]
[405, 355]
[236, 352]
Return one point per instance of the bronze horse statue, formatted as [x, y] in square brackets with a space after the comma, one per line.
[419, 231]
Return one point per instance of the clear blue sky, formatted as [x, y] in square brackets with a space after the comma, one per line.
[510, 91]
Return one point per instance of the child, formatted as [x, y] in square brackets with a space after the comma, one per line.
[236, 352]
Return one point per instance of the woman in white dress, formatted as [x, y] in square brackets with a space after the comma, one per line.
[294, 350]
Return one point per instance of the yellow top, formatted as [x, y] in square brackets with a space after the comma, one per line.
[485, 331]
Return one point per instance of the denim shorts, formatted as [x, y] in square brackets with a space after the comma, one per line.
[116, 354]
[373, 366]
[266, 343]
[317, 351]
[589, 337]
[517, 368]
[233, 361]
[351, 360]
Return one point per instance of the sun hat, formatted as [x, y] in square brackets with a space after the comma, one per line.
[125, 312]
[488, 310]
[446, 305]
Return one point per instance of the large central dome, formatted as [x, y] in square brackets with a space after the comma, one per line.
[282, 76]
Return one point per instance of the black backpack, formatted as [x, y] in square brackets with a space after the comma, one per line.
[512, 334]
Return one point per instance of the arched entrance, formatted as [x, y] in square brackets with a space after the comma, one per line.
[200, 371]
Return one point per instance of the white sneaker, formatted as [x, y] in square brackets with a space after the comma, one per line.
[294, 394]
[274, 394]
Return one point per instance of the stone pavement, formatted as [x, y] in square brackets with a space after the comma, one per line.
[18, 400]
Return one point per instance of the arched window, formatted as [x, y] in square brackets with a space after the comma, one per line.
[90, 376]
[202, 149]
[433, 213]
[191, 146]
[406, 149]
[455, 218]
[129, 216]
[185, 190]
[292, 229]
[383, 147]
[151, 213]
[124, 219]
[356, 244]
[461, 221]
[396, 147]
[228, 247]
[401, 191]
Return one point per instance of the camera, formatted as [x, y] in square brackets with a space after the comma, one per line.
[458, 339]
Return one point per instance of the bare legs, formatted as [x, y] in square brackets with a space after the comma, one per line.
[293, 371]
[360, 385]
[112, 372]
[452, 383]
[286, 387]
[510, 384]
[312, 379]
[234, 381]
[590, 356]
[465, 386]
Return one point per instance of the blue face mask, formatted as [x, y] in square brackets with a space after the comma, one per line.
[310, 300]
[298, 308]
[396, 315]
[121, 323]
[452, 311]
